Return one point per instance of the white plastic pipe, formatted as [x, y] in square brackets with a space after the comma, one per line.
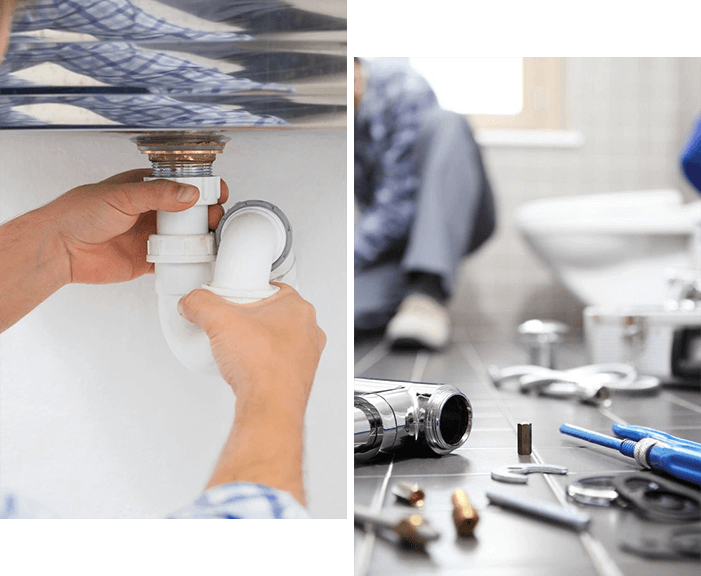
[252, 239]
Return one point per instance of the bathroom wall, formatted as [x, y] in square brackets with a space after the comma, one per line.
[635, 114]
[97, 417]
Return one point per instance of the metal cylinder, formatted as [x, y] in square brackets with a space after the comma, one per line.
[542, 337]
[179, 169]
[525, 442]
[396, 415]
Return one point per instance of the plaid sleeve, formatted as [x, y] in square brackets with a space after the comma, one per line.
[243, 500]
[401, 103]
[110, 19]
[235, 500]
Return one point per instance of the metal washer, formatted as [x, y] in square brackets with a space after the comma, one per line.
[593, 491]
[268, 206]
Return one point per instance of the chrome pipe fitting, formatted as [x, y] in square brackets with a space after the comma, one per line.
[394, 415]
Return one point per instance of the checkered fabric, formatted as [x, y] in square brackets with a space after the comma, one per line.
[110, 19]
[140, 110]
[234, 501]
[123, 63]
[387, 123]
[243, 500]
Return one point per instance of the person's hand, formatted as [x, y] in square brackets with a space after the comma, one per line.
[267, 351]
[104, 227]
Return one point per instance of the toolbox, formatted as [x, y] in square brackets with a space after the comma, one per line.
[655, 341]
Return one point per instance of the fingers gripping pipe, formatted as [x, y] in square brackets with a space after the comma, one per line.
[252, 244]
[391, 416]
[254, 237]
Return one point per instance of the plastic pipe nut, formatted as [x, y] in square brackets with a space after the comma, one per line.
[260, 204]
[185, 249]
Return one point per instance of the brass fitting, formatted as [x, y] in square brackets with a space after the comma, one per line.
[465, 516]
[409, 494]
[181, 153]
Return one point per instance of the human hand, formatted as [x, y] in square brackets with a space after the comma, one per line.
[267, 351]
[104, 227]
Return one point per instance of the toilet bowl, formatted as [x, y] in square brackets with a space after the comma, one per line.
[615, 249]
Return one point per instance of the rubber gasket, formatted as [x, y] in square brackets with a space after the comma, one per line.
[658, 499]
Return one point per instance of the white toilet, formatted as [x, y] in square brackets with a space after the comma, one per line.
[615, 249]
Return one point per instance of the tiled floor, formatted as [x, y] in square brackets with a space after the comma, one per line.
[507, 543]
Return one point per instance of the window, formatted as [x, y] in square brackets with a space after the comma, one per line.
[499, 93]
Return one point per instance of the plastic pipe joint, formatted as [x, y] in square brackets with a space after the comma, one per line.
[252, 246]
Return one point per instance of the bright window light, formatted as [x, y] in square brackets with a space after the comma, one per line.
[475, 85]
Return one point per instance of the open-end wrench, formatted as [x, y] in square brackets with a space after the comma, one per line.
[516, 473]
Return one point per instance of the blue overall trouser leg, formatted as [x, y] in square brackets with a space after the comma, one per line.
[454, 216]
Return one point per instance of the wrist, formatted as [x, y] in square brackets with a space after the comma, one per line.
[268, 412]
[35, 265]
[265, 447]
[47, 219]
[56, 257]
[274, 389]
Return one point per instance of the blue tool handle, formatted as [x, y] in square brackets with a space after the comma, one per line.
[591, 436]
[638, 432]
[677, 461]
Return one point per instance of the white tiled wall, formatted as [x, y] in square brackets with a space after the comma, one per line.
[635, 115]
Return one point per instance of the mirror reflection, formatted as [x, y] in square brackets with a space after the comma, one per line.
[173, 64]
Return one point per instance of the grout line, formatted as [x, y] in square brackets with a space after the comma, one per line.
[680, 401]
[604, 564]
[451, 474]
[362, 565]
[380, 496]
[611, 416]
[371, 358]
[420, 363]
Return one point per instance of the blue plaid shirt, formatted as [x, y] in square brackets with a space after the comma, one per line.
[232, 501]
[116, 60]
[387, 122]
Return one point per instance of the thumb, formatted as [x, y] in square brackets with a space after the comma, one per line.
[139, 197]
[201, 307]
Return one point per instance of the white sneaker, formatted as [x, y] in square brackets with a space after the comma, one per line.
[420, 321]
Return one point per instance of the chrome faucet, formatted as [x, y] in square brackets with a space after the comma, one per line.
[391, 416]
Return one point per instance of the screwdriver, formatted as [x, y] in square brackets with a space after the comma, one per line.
[675, 459]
